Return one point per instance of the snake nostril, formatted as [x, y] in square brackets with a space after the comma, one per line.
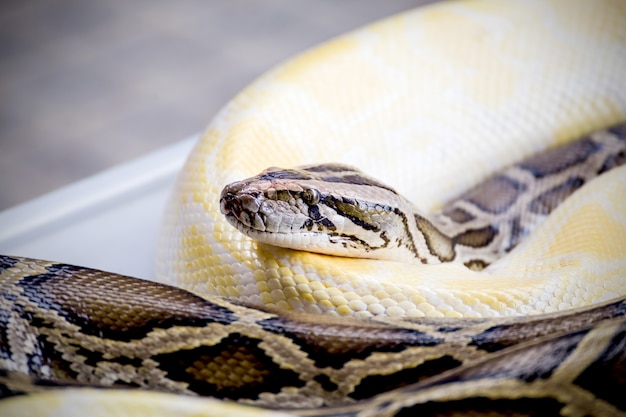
[228, 203]
[236, 203]
[224, 206]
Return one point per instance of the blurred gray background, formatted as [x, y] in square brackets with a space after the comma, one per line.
[85, 85]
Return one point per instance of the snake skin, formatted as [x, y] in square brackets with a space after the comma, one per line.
[68, 326]
[432, 102]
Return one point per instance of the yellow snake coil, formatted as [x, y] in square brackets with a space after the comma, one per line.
[431, 102]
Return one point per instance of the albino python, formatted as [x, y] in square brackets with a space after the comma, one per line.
[497, 303]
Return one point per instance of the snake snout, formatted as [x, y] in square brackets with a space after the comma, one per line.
[229, 201]
[236, 201]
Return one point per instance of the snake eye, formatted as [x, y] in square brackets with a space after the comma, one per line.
[311, 196]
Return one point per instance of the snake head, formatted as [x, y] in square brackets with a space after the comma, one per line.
[273, 205]
[330, 208]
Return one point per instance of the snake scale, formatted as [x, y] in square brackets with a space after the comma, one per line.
[497, 302]
[64, 324]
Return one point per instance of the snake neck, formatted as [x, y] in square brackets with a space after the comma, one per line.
[337, 210]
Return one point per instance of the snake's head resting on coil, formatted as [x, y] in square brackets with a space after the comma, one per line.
[330, 208]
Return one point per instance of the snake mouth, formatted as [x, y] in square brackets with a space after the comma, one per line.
[254, 224]
[304, 241]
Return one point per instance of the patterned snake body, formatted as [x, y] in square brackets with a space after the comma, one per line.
[64, 325]
[456, 92]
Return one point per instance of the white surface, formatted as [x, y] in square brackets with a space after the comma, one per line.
[109, 221]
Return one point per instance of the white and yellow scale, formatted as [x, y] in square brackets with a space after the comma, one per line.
[431, 102]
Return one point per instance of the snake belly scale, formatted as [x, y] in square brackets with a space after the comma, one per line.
[507, 299]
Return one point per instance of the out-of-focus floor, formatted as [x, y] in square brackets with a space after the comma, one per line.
[86, 85]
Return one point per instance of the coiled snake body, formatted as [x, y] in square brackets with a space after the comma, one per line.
[63, 323]
[539, 330]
